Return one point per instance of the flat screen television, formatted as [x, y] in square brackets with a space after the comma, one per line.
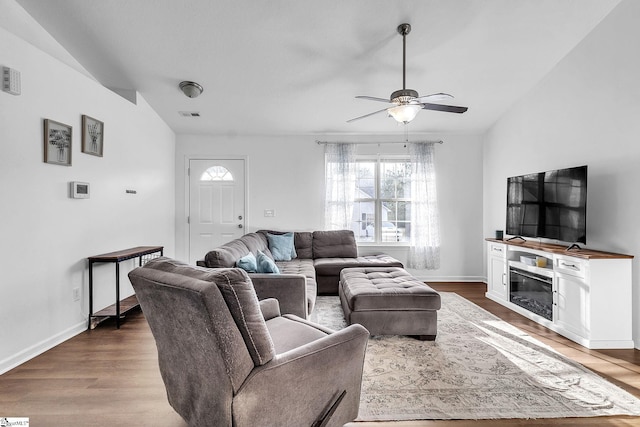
[550, 205]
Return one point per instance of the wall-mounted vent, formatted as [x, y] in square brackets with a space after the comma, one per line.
[189, 113]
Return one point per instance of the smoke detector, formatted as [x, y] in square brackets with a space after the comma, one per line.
[191, 89]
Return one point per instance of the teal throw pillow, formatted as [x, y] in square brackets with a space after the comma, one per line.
[266, 264]
[248, 263]
[281, 246]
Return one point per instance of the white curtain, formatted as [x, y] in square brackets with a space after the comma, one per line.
[424, 249]
[340, 181]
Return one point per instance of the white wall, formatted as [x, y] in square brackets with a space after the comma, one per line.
[286, 173]
[584, 112]
[45, 235]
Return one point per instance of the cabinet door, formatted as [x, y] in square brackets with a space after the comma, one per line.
[498, 277]
[572, 304]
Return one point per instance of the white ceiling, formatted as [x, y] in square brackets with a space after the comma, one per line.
[282, 67]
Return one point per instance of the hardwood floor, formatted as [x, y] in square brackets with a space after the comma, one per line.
[107, 377]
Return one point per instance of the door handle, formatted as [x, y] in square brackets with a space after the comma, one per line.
[239, 225]
[240, 217]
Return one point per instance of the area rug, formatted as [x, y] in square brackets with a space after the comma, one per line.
[479, 367]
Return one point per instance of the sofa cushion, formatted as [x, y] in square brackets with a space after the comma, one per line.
[298, 266]
[333, 266]
[248, 263]
[288, 333]
[266, 264]
[243, 303]
[226, 255]
[305, 268]
[256, 242]
[237, 290]
[281, 246]
[304, 244]
[334, 244]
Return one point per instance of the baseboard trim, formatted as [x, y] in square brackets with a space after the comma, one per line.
[29, 353]
[449, 278]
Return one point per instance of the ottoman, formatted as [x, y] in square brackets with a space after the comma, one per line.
[389, 301]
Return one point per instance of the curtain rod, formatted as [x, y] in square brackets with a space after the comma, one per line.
[371, 142]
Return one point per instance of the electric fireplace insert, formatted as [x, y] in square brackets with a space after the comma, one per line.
[531, 291]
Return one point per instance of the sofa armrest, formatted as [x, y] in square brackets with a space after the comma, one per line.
[289, 289]
[327, 366]
[270, 308]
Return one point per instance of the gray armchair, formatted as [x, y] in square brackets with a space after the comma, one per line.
[227, 359]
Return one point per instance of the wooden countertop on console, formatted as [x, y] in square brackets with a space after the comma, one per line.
[561, 250]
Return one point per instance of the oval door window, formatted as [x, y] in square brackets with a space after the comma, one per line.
[216, 173]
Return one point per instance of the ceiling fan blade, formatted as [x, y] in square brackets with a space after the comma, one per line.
[434, 97]
[366, 115]
[445, 108]
[373, 98]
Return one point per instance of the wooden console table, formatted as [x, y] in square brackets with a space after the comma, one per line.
[117, 257]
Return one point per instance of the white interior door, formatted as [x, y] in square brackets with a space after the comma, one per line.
[216, 204]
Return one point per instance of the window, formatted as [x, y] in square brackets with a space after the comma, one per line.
[382, 204]
[216, 173]
[386, 199]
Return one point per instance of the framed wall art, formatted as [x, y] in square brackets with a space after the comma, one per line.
[57, 143]
[92, 136]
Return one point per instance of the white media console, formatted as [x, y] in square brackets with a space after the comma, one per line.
[582, 294]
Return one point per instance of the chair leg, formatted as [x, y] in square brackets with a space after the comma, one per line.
[323, 419]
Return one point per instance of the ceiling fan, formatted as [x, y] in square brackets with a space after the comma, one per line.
[406, 102]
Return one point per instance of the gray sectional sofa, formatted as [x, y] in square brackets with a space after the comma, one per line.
[320, 257]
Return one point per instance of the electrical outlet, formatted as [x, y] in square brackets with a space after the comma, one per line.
[76, 294]
[269, 213]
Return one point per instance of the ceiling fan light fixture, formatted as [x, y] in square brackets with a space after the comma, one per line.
[403, 96]
[404, 113]
[407, 101]
[191, 89]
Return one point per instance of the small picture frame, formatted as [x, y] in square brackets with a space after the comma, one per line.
[92, 136]
[57, 143]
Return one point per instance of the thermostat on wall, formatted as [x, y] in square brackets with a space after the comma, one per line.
[79, 190]
[11, 81]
